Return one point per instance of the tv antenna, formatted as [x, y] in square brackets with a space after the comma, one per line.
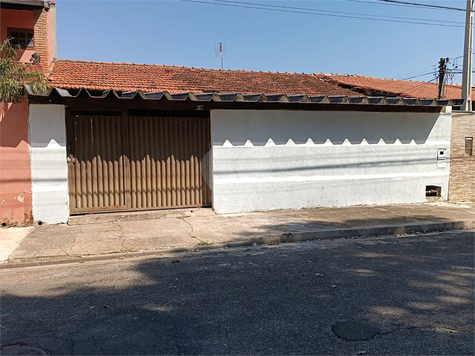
[221, 52]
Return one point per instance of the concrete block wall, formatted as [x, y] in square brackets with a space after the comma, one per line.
[462, 172]
[266, 160]
[49, 169]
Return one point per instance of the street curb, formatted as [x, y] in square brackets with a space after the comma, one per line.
[329, 234]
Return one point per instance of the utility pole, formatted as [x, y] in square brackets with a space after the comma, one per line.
[467, 59]
[442, 71]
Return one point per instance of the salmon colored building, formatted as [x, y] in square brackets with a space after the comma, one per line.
[32, 25]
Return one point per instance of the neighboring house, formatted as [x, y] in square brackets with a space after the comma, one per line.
[462, 159]
[32, 25]
[371, 86]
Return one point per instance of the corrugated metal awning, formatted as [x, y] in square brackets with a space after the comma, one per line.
[245, 98]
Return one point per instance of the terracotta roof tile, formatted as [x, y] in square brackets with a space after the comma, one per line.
[150, 78]
[404, 88]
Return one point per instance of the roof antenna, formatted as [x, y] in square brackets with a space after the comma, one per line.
[221, 52]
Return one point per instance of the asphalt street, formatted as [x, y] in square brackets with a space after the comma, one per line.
[417, 291]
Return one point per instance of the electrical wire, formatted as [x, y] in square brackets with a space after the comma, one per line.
[414, 88]
[417, 76]
[413, 72]
[288, 9]
[408, 4]
[331, 11]
[423, 5]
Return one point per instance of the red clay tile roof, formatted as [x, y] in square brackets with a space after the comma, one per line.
[404, 88]
[151, 78]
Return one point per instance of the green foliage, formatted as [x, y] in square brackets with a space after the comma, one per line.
[13, 75]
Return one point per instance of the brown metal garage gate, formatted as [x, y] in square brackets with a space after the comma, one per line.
[118, 162]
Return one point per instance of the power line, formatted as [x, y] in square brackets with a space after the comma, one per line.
[331, 11]
[414, 88]
[417, 76]
[406, 4]
[288, 9]
[413, 72]
[422, 5]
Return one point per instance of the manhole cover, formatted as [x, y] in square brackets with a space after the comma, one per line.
[354, 331]
[14, 350]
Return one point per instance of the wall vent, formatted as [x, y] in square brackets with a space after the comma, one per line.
[433, 191]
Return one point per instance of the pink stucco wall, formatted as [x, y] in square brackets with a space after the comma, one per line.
[15, 171]
[17, 19]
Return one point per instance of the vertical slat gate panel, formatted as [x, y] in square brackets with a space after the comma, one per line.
[107, 164]
[200, 157]
[194, 159]
[133, 169]
[161, 173]
[199, 153]
[96, 163]
[177, 162]
[184, 157]
[172, 153]
[166, 178]
[191, 131]
[77, 167]
[98, 166]
[89, 186]
[167, 165]
[148, 164]
[122, 151]
[187, 163]
[169, 162]
[82, 162]
[206, 163]
[142, 167]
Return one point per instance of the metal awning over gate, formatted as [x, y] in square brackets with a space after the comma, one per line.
[300, 99]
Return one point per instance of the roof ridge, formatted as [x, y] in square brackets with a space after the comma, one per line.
[174, 66]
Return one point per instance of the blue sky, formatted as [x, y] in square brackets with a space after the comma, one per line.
[177, 32]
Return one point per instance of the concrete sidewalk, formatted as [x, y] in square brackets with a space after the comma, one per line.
[102, 236]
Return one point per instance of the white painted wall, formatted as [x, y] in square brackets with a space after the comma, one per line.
[265, 160]
[49, 170]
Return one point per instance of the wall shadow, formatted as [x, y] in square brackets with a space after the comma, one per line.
[296, 225]
[336, 128]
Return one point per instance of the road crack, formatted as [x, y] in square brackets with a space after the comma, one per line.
[70, 253]
[200, 241]
[121, 237]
